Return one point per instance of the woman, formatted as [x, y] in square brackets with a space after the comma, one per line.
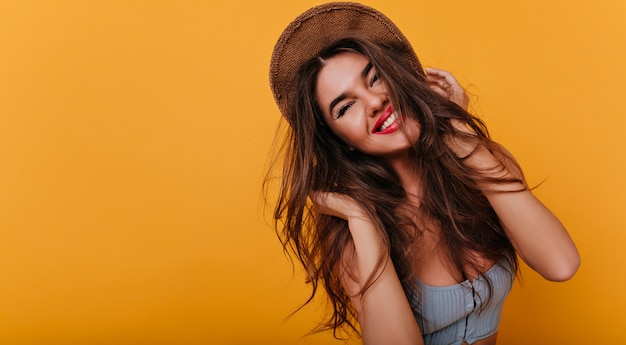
[417, 216]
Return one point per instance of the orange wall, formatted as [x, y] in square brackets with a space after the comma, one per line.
[134, 136]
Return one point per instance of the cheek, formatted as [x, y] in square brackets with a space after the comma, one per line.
[350, 135]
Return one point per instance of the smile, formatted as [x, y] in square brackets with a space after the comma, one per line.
[387, 123]
[391, 119]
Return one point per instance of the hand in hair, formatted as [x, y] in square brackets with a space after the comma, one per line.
[444, 83]
[337, 205]
[369, 277]
[463, 141]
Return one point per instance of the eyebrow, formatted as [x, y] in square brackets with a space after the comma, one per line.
[343, 96]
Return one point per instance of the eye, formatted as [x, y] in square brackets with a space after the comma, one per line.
[342, 110]
[375, 78]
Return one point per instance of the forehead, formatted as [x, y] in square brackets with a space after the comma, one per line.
[338, 74]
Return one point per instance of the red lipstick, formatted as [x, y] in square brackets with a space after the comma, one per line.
[381, 120]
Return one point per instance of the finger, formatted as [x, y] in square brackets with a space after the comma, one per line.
[437, 81]
[433, 71]
[434, 77]
[443, 75]
[445, 84]
[437, 88]
[451, 80]
[440, 82]
[439, 73]
[329, 203]
[321, 198]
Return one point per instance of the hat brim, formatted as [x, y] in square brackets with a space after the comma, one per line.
[312, 31]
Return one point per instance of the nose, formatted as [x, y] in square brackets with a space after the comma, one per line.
[375, 102]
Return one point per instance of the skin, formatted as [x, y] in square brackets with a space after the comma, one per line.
[358, 100]
[362, 100]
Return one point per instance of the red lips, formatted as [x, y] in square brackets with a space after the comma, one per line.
[381, 120]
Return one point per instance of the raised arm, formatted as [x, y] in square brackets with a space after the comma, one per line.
[383, 310]
[537, 235]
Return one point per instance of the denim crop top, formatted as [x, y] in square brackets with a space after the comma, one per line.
[449, 315]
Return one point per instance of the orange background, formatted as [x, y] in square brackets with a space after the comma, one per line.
[134, 137]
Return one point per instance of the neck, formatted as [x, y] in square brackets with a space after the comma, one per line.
[409, 175]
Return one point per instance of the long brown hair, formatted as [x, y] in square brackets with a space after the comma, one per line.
[315, 159]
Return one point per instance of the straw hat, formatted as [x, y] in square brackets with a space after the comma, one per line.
[320, 26]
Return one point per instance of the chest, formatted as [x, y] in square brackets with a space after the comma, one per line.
[433, 264]
[467, 311]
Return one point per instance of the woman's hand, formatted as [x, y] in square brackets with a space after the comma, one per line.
[444, 83]
[338, 205]
[383, 310]
[366, 237]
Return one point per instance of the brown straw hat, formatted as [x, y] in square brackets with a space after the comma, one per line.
[320, 26]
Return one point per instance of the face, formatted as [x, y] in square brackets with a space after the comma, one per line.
[356, 106]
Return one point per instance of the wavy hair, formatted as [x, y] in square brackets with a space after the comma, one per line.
[315, 159]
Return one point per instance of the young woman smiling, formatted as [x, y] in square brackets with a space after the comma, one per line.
[393, 196]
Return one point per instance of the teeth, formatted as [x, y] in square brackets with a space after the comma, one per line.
[391, 119]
